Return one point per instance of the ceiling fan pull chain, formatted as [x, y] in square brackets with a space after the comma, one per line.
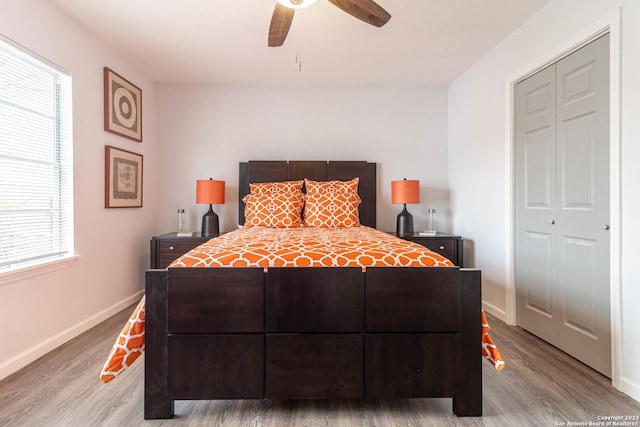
[298, 18]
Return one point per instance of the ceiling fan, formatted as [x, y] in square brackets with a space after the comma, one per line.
[365, 10]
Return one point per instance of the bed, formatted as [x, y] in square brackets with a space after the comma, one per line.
[312, 333]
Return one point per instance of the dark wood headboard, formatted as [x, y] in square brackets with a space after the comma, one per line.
[269, 171]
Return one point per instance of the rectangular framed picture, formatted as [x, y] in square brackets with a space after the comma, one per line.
[123, 178]
[122, 106]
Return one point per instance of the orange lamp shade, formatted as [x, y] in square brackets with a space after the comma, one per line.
[406, 191]
[209, 192]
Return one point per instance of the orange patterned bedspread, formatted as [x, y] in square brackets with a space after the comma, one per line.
[310, 247]
[294, 247]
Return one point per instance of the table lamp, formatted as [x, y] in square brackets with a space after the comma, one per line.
[211, 192]
[405, 192]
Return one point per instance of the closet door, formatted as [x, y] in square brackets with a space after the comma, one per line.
[535, 199]
[582, 81]
[562, 204]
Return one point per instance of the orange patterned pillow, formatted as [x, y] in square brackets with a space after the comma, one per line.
[332, 210]
[273, 210]
[276, 187]
[332, 186]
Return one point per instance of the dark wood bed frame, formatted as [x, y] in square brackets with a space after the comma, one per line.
[312, 333]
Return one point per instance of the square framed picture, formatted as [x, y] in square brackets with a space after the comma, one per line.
[122, 106]
[123, 178]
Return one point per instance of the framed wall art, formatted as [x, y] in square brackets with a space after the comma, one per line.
[123, 178]
[122, 106]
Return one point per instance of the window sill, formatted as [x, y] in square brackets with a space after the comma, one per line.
[23, 273]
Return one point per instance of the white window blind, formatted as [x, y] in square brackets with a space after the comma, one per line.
[36, 200]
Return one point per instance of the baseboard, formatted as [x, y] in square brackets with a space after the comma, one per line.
[495, 311]
[630, 388]
[23, 359]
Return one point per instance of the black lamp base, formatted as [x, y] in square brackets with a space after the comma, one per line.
[404, 223]
[210, 225]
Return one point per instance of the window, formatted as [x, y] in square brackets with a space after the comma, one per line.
[36, 195]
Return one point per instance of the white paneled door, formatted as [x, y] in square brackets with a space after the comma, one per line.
[562, 204]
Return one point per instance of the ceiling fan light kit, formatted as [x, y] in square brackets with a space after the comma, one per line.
[296, 4]
[365, 10]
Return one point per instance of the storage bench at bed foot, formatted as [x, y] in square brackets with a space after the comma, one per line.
[215, 366]
[314, 366]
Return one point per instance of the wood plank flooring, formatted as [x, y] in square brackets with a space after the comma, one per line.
[541, 386]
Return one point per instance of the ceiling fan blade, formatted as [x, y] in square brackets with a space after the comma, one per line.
[366, 10]
[280, 24]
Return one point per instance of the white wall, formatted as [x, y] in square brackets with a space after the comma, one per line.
[479, 145]
[39, 313]
[204, 131]
[630, 220]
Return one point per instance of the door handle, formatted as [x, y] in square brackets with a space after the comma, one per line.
[553, 221]
[606, 227]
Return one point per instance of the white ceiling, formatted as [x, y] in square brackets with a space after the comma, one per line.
[225, 41]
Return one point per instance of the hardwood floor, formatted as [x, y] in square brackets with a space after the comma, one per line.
[541, 386]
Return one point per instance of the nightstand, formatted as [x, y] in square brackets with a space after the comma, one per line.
[447, 245]
[167, 247]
